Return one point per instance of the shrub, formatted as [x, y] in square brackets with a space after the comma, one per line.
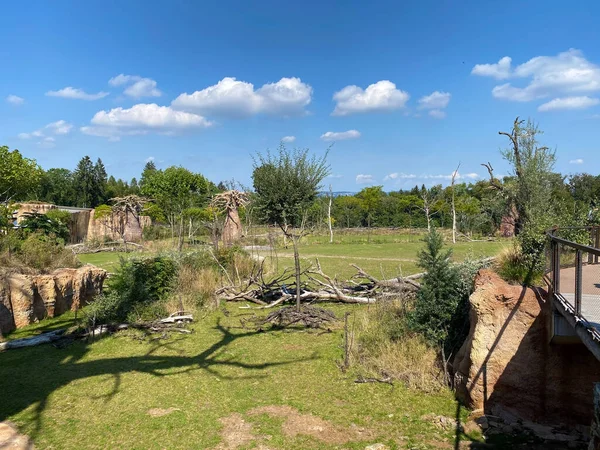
[137, 291]
[195, 288]
[514, 266]
[383, 346]
[44, 252]
[439, 296]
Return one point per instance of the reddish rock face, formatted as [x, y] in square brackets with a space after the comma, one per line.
[508, 361]
[25, 299]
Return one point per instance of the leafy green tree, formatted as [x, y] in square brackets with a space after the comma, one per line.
[372, 199]
[53, 225]
[347, 211]
[100, 178]
[147, 172]
[84, 181]
[286, 185]
[56, 187]
[530, 188]
[19, 176]
[174, 190]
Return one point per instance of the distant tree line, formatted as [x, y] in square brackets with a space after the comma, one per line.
[181, 198]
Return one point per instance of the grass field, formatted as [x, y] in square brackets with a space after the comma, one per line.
[382, 253]
[222, 387]
[225, 387]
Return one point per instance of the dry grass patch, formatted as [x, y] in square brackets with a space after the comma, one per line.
[383, 348]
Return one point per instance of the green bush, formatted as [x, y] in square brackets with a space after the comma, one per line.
[45, 252]
[48, 225]
[137, 291]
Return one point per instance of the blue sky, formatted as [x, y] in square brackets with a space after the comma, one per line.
[404, 90]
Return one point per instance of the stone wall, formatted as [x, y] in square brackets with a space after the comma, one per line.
[104, 228]
[508, 362]
[84, 226]
[25, 299]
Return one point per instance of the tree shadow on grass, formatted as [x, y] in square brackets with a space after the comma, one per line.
[29, 376]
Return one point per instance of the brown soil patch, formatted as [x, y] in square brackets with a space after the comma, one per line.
[235, 433]
[159, 412]
[10, 439]
[307, 424]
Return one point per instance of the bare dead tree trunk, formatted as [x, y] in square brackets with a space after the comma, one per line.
[454, 205]
[329, 216]
[297, 267]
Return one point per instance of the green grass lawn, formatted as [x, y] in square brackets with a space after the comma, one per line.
[102, 394]
[106, 260]
[386, 256]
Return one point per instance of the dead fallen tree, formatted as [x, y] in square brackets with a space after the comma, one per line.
[317, 286]
[175, 323]
[307, 315]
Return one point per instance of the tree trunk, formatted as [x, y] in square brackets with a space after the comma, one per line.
[454, 206]
[297, 266]
[329, 216]
[180, 239]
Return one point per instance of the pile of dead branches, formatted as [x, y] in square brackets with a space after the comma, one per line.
[317, 286]
[309, 316]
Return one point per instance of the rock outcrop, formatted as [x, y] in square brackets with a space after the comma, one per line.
[10, 439]
[508, 361]
[25, 299]
[84, 226]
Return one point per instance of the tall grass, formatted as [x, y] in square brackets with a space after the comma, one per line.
[515, 267]
[382, 346]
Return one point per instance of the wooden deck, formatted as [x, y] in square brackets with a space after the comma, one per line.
[590, 287]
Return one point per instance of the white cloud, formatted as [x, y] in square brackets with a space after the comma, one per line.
[378, 97]
[142, 119]
[340, 135]
[399, 176]
[122, 79]
[238, 99]
[364, 179]
[59, 127]
[564, 74]
[15, 100]
[437, 113]
[582, 102]
[435, 100]
[459, 176]
[138, 86]
[149, 158]
[47, 142]
[500, 70]
[335, 176]
[75, 93]
[288, 139]
[576, 161]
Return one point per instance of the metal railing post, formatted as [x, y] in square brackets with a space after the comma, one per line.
[597, 244]
[592, 241]
[555, 266]
[578, 281]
